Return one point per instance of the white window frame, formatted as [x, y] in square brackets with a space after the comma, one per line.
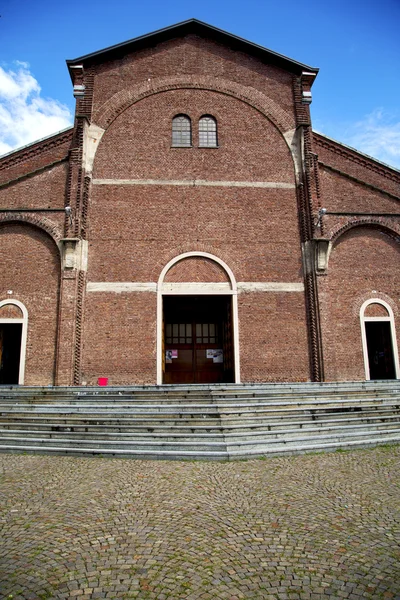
[179, 131]
[24, 334]
[390, 319]
[204, 119]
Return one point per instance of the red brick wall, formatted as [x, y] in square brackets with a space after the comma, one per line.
[138, 143]
[195, 57]
[120, 333]
[136, 229]
[273, 337]
[197, 269]
[10, 311]
[364, 264]
[34, 157]
[356, 165]
[44, 190]
[30, 267]
[376, 310]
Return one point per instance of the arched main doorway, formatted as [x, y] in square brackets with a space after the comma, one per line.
[379, 340]
[13, 333]
[197, 336]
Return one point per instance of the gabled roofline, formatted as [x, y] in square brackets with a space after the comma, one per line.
[356, 152]
[193, 26]
[47, 138]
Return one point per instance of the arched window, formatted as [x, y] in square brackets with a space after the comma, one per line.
[208, 132]
[181, 131]
[13, 334]
[379, 340]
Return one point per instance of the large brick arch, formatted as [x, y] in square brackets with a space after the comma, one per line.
[43, 223]
[379, 223]
[30, 273]
[363, 264]
[123, 99]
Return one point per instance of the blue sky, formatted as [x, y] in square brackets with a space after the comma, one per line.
[355, 43]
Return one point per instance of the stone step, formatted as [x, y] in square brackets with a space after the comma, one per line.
[151, 419]
[208, 451]
[214, 422]
[223, 390]
[207, 403]
[245, 403]
[26, 423]
[276, 450]
[198, 436]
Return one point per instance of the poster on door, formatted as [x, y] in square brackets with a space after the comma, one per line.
[170, 354]
[217, 355]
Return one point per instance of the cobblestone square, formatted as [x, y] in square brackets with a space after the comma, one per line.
[298, 527]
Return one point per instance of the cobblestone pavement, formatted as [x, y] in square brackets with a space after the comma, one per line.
[313, 527]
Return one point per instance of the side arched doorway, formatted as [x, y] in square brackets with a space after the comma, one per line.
[13, 334]
[378, 332]
[197, 324]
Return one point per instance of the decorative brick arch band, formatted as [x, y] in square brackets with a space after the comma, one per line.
[125, 98]
[43, 223]
[389, 227]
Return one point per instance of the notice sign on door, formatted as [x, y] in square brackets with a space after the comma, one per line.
[170, 354]
[216, 354]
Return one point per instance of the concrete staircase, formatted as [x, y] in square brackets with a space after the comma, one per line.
[199, 422]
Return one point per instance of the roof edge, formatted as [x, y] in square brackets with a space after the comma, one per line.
[202, 28]
[39, 141]
[358, 152]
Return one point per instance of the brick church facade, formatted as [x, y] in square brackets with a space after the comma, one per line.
[192, 228]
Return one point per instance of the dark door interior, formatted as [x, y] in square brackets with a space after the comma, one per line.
[10, 352]
[198, 346]
[380, 350]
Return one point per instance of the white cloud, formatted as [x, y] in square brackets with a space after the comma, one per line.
[377, 134]
[24, 115]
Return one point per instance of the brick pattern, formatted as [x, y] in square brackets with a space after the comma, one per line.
[138, 143]
[139, 230]
[35, 156]
[363, 264]
[193, 59]
[10, 311]
[134, 231]
[376, 310]
[120, 338]
[197, 269]
[30, 267]
[273, 337]
[357, 165]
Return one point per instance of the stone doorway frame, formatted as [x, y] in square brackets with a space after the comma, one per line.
[390, 319]
[196, 289]
[24, 334]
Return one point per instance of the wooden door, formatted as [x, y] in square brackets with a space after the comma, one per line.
[198, 346]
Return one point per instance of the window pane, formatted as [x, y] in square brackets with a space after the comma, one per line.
[181, 131]
[208, 132]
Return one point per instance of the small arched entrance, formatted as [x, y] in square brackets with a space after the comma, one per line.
[379, 340]
[13, 332]
[197, 322]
